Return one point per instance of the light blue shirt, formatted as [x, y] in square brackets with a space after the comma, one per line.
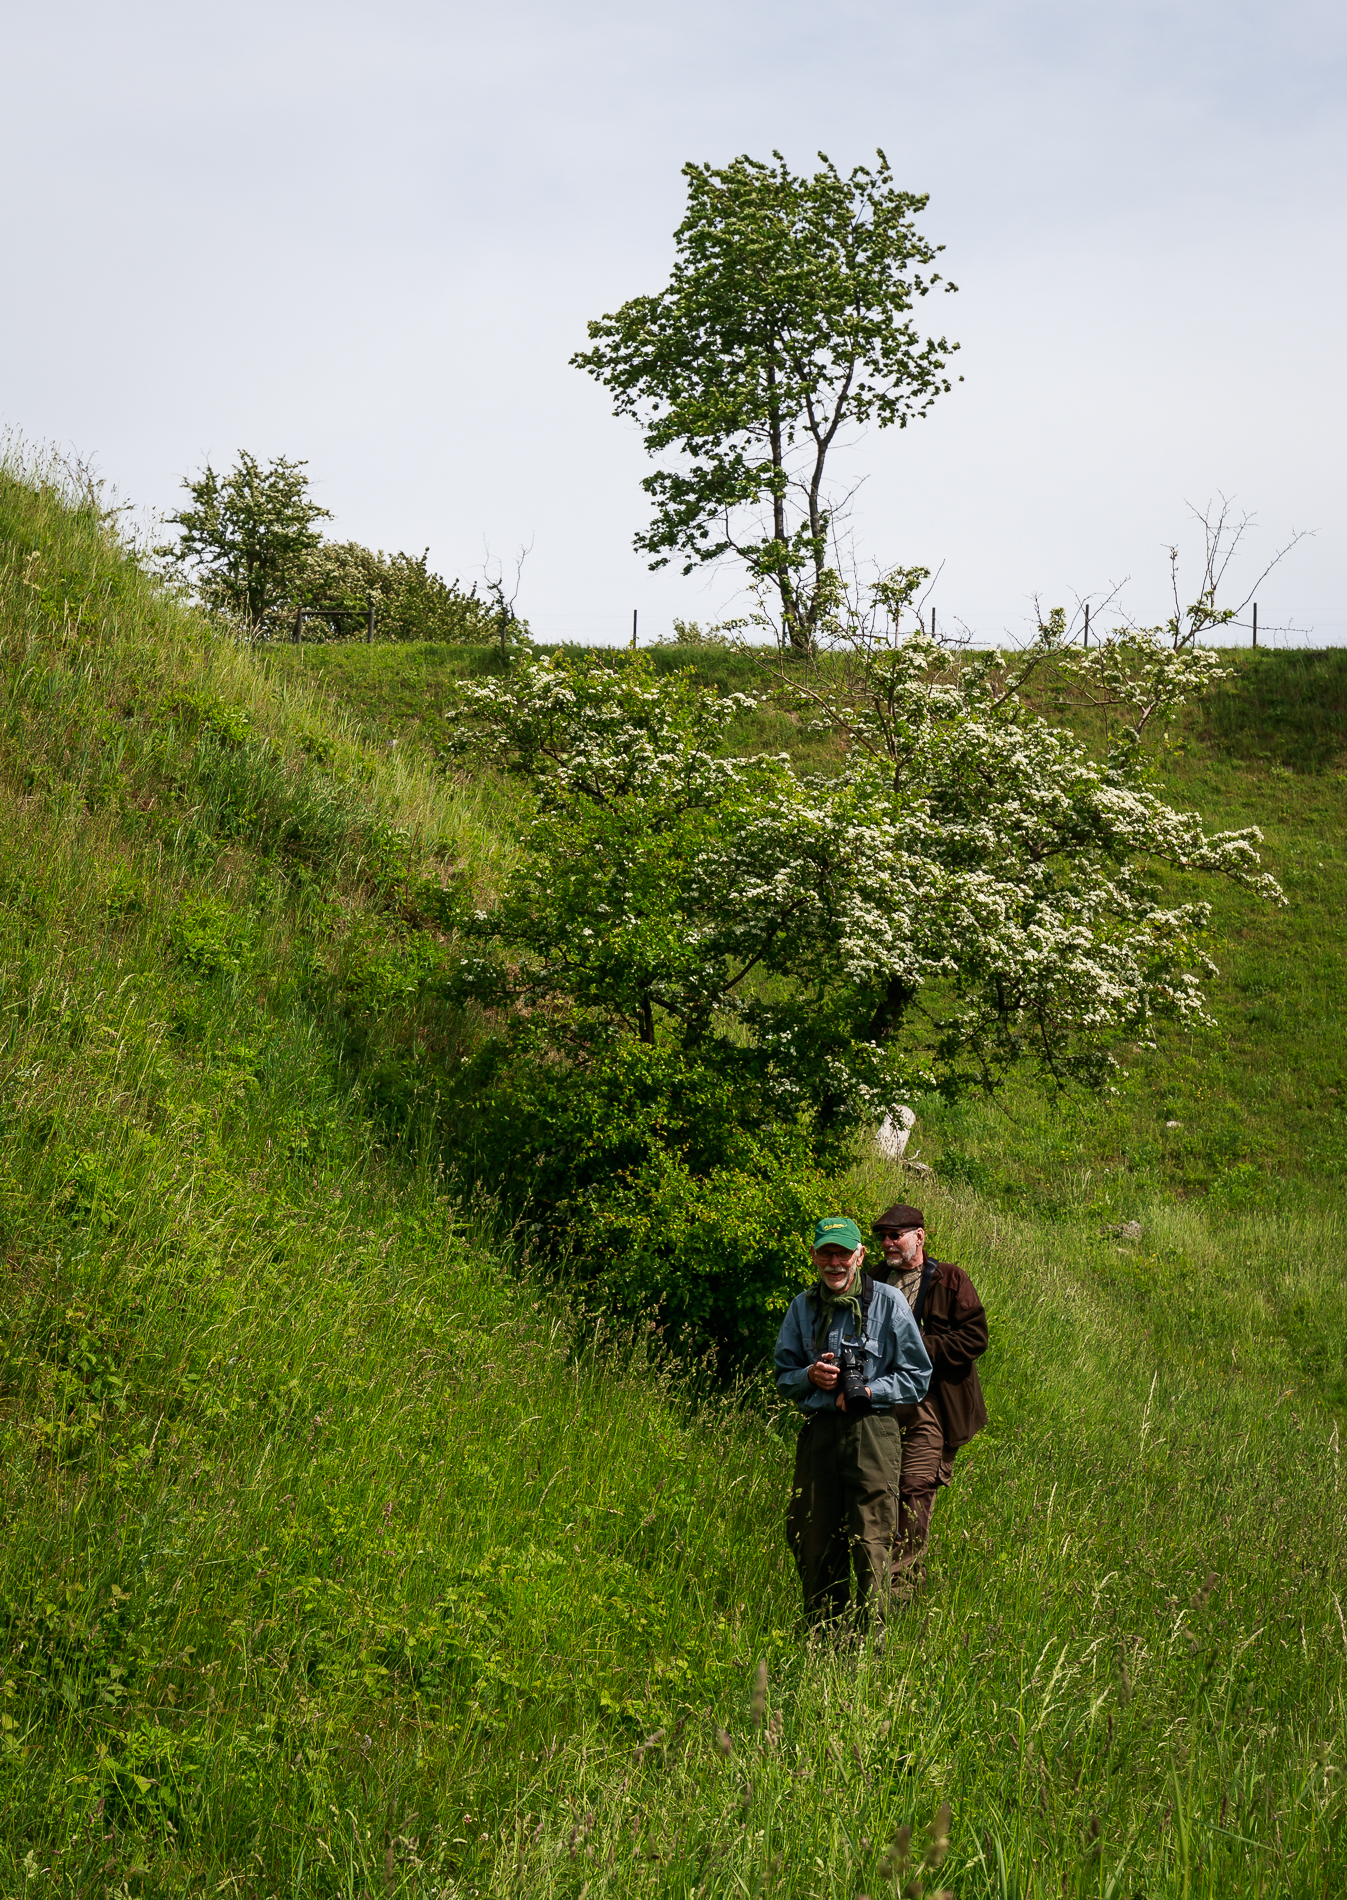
[897, 1369]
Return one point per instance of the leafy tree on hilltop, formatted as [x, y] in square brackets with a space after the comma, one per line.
[784, 323]
[248, 534]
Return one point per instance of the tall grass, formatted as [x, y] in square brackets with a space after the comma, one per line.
[343, 1557]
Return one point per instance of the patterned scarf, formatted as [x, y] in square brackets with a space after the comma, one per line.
[827, 1305]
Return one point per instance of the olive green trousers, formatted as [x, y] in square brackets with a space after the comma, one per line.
[841, 1513]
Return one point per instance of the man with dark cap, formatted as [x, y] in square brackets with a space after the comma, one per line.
[847, 1328]
[945, 1305]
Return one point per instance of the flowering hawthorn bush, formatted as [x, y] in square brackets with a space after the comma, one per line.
[977, 892]
[799, 956]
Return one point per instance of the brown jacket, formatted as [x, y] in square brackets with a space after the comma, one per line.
[954, 1332]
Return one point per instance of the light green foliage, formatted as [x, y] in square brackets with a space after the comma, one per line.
[410, 603]
[785, 321]
[341, 1557]
[688, 633]
[249, 542]
[247, 536]
[203, 935]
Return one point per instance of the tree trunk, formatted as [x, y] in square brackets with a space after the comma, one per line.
[796, 632]
[889, 1012]
[885, 1018]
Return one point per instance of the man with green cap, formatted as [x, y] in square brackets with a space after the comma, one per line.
[846, 1329]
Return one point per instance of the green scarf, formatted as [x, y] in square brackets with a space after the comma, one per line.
[827, 1305]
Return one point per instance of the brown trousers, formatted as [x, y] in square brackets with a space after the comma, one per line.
[927, 1464]
[841, 1511]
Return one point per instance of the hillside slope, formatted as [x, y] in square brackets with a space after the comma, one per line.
[341, 1558]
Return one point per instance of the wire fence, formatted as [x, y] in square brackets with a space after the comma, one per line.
[1298, 631]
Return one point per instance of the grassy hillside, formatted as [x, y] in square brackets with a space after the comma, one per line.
[400, 698]
[341, 1558]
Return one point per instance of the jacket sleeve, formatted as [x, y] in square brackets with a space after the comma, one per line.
[904, 1380]
[952, 1353]
[793, 1356]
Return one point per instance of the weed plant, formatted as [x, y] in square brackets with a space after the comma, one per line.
[342, 1556]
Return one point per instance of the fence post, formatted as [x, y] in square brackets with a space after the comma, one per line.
[1255, 623]
[369, 623]
[1087, 623]
[633, 629]
[299, 622]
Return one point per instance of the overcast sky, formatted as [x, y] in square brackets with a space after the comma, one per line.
[371, 236]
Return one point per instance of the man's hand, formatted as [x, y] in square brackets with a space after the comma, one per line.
[841, 1400]
[825, 1372]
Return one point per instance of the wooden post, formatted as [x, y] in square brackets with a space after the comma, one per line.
[1255, 623]
[1087, 623]
[299, 622]
[633, 629]
[369, 623]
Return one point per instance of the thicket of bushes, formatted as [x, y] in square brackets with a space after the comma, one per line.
[637, 1177]
[249, 551]
[410, 602]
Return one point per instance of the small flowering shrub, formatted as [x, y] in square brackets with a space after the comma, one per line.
[410, 602]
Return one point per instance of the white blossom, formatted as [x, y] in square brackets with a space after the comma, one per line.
[972, 891]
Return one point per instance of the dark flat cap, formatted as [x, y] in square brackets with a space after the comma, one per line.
[900, 1216]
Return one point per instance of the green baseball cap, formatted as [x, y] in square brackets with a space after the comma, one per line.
[835, 1230]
